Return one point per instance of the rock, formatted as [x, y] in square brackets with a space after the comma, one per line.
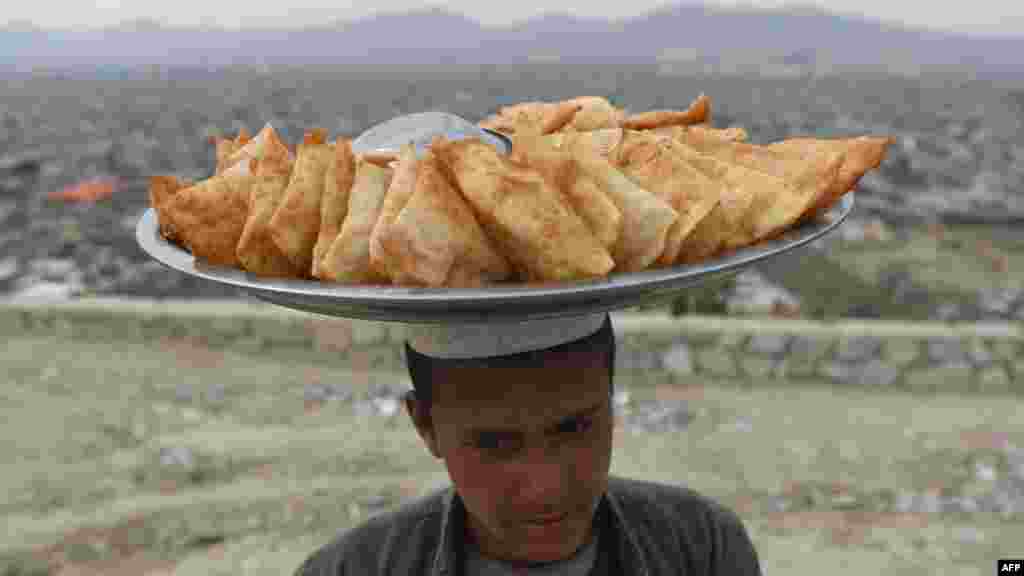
[662, 417]
[806, 347]
[967, 505]
[841, 372]
[324, 392]
[215, 394]
[364, 408]
[753, 294]
[340, 392]
[105, 262]
[768, 344]
[1006, 505]
[947, 312]
[1017, 471]
[387, 406]
[621, 399]
[979, 355]
[314, 393]
[52, 269]
[386, 391]
[778, 504]
[183, 393]
[182, 456]
[929, 503]
[905, 502]
[631, 358]
[998, 301]
[858, 349]
[969, 535]
[852, 231]
[8, 268]
[45, 292]
[878, 374]
[947, 351]
[677, 359]
[984, 472]
[743, 425]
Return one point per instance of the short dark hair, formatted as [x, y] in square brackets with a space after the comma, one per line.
[422, 374]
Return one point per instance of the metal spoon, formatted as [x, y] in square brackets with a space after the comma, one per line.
[421, 128]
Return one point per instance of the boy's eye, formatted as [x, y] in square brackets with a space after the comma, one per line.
[496, 442]
[575, 426]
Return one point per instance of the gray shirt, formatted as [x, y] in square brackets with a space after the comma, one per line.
[580, 564]
[644, 528]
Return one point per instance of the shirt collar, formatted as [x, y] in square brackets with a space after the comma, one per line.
[453, 517]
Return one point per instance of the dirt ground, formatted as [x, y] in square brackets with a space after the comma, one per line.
[167, 458]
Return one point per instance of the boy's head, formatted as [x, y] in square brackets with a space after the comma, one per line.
[526, 436]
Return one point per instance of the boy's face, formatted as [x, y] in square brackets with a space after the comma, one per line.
[523, 445]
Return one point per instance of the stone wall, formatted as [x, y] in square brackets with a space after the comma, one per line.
[927, 358]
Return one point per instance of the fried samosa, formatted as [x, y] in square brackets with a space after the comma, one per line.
[295, 225]
[256, 250]
[646, 218]
[581, 114]
[347, 260]
[699, 112]
[652, 164]
[435, 240]
[338, 181]
[758, 205]
[563, 171]
[595, 113]
[238, 161]
[860, 155]
[817, 168]
[733, 134]
[206, 218]
[161, 188]
[533, 223]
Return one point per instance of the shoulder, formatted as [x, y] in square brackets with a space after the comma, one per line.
[384, 543]
[677, 519]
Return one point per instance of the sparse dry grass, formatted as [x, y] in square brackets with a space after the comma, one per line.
[275, 477]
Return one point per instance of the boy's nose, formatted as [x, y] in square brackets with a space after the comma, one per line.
[543, 475]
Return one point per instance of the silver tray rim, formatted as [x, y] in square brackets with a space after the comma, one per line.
[504, 301]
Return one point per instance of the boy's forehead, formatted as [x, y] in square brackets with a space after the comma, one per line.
[491, 395]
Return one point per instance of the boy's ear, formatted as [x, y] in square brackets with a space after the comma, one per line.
[421, 420]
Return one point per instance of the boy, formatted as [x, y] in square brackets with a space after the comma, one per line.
[522, 416]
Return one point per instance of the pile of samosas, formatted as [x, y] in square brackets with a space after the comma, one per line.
[587, 190]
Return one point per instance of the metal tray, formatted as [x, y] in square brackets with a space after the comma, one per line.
[494, 303]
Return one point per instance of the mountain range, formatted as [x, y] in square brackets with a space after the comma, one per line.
[794, 37]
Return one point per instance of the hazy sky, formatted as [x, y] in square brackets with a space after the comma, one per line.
[976, 16]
